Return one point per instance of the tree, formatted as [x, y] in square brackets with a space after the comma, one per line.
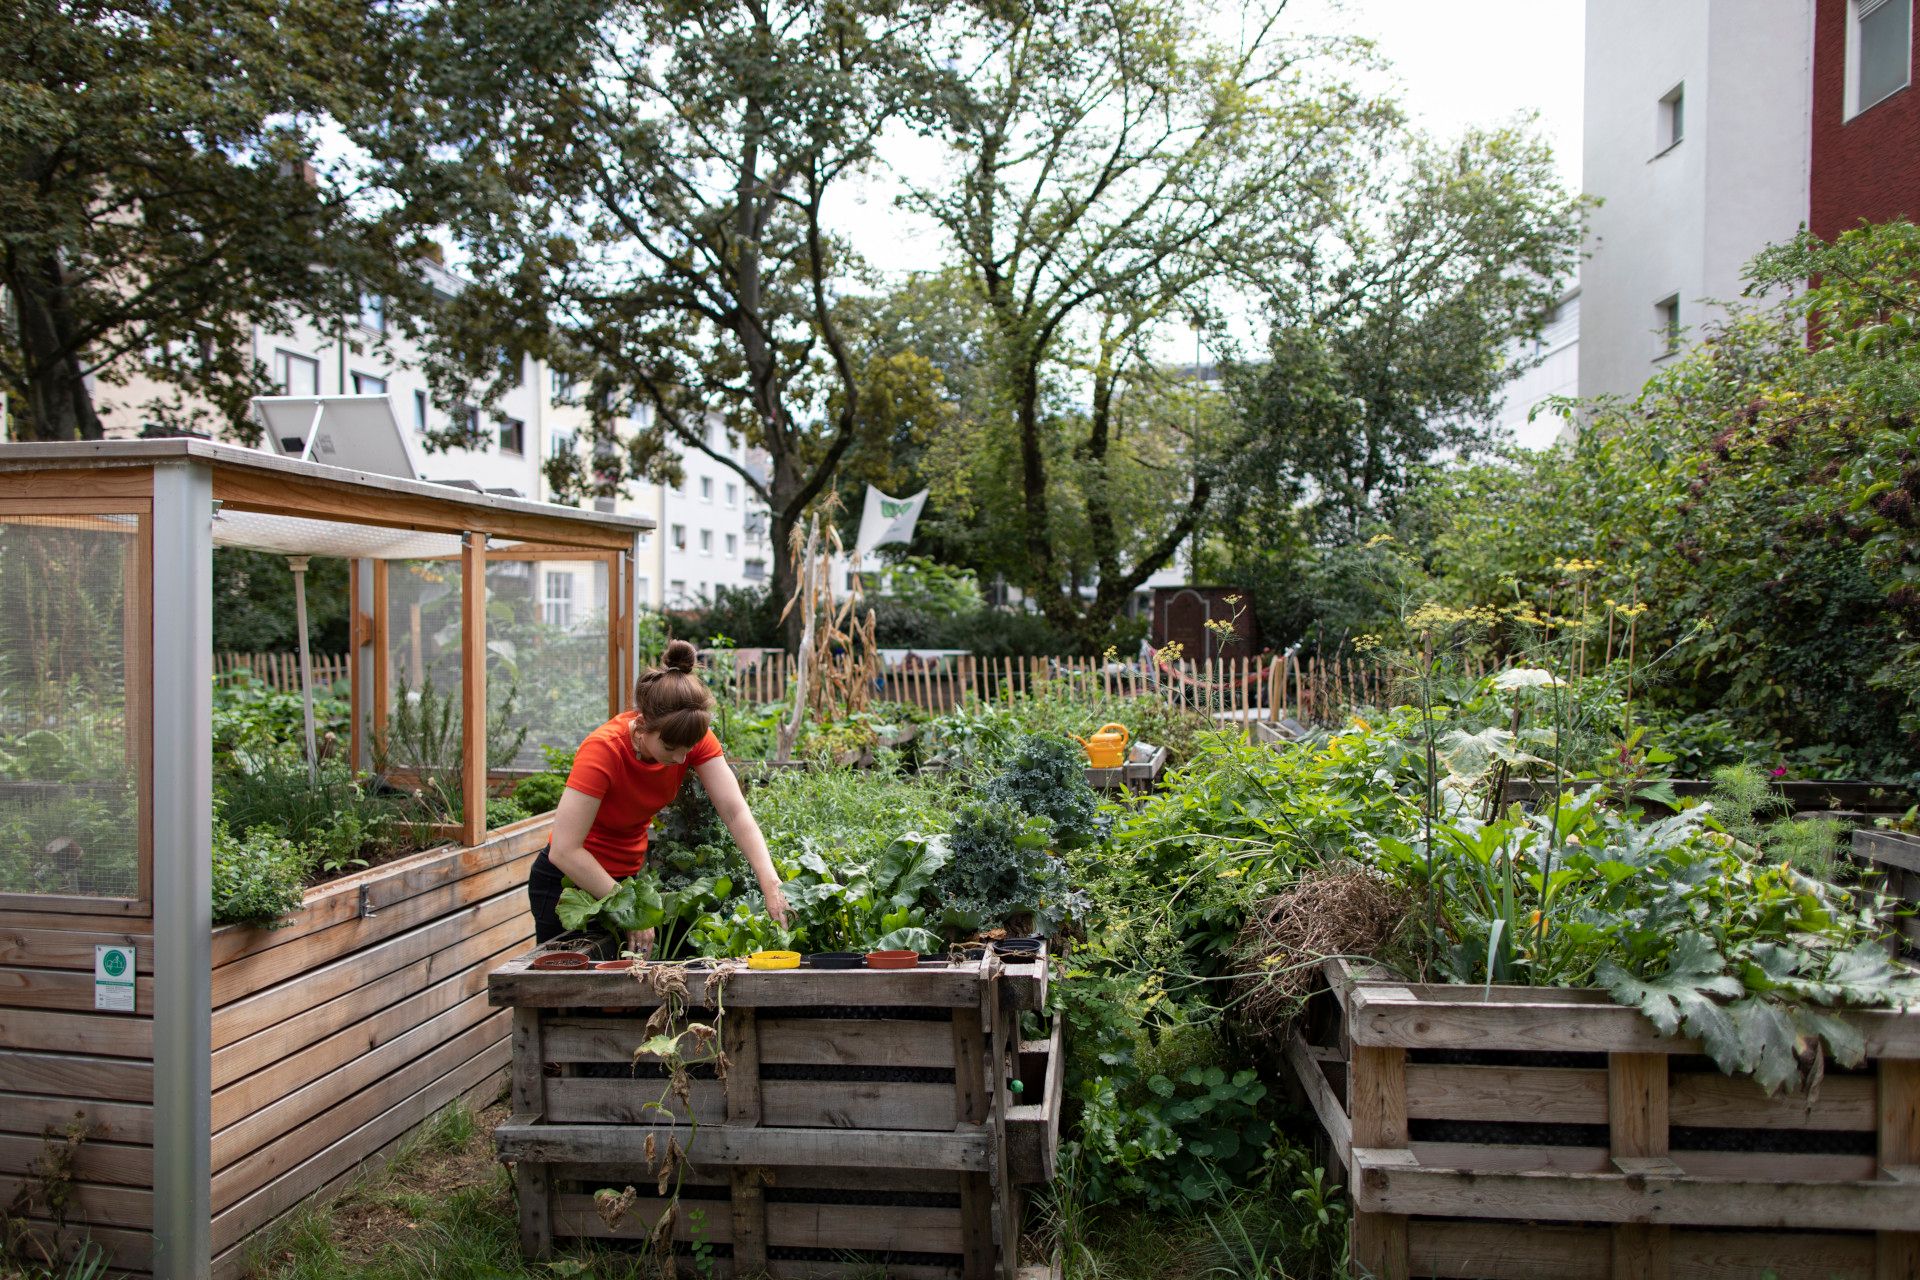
[1389, 331]
[641, 187]
[158, 196]
[1106, 157]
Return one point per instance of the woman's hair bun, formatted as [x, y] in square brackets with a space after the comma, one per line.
[679, 656]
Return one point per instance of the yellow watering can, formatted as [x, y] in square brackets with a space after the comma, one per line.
[1107, 748]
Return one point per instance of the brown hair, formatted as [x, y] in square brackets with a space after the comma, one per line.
[672, 700]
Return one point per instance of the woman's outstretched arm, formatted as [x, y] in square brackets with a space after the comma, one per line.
[716, 775]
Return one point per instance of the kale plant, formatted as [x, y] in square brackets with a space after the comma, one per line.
[1001, 866]
[1047, 779]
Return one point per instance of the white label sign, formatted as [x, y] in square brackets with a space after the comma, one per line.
[113, 979]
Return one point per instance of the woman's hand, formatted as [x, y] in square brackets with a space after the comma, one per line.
[641, 942]
[776, 903]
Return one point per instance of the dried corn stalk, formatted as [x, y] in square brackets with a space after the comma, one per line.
[839, 662]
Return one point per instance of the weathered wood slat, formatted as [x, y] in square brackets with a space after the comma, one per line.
[64, 989]
[111, 1035]
[1497, 1251]
[966, 1148]
[88, 1201]
[83, 1078]
[853, 1042]
[35, 1114]
[807, 1104]
[1391, 1181]
[1571, 1095]
[1711, 1100]
[95, 1160]
[798, 1225]
[70, 948]
[642, 1101]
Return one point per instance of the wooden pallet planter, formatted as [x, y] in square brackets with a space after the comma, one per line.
[1896, 856]
[865, 1119]
[1515, 1132]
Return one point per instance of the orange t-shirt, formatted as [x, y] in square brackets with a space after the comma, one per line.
[630, 791]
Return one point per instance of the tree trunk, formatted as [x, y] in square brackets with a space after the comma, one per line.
[59, 404]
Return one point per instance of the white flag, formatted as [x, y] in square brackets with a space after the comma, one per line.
[887, 520]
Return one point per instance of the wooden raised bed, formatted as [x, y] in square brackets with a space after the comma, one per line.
[865, 1120]
[365, 1012]
[1524, 1132]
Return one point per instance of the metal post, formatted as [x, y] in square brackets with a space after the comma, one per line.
[299, 566]
[182, 882]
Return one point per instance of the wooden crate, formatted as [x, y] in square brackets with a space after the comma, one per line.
[864, 1119]
[1896, 856]
[1522, 1132]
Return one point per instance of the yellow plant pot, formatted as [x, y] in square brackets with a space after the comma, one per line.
[774, 960]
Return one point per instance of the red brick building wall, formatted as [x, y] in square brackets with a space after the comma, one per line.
[1867, 167]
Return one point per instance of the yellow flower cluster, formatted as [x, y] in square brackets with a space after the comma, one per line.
[1433, 617]
[1628, 610]
[1380, 538]
[1578, 566]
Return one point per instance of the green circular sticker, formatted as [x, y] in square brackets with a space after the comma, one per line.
[115, 963]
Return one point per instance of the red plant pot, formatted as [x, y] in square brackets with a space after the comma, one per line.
[561, 960]
[893, 959]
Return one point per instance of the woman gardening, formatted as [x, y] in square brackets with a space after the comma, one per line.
[629, 769]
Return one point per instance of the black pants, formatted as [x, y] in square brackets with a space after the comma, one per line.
[543, 896]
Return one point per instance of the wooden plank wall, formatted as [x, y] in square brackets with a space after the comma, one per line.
[62, 1063]
[336, 1035]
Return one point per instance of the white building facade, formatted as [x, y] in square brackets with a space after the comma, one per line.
[1697, 144]
[1550, 369]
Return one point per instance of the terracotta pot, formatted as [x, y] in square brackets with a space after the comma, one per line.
[611, 965]
[893, 959]
[560, 960]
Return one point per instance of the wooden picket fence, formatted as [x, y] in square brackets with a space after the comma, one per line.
[1312, 690]
[281, 671]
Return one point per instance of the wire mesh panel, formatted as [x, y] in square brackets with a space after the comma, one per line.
[422, 734]
[546, 653]
[69, 747]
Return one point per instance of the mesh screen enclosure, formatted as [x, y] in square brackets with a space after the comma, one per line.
[69, 749]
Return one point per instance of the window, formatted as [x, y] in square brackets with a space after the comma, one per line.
[643, 588]
[679, 537]
[513, 436]
[563, 387]
[365, 384]
[511, 364]
[420, 412]
[557, 602]
[296, 375]
[1668, 310]
[733, 494]
[733, 544]
[560, 444]
[677, 589]
[755, 570]
[706, 542]
[373, 312]
[706, 488]
[1673, 119]
[1879, 51]
[467, 419]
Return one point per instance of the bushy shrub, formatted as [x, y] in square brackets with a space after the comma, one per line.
[540, 793]
[257, 877]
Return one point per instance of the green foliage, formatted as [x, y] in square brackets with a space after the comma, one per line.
[255, 725]
[423, 739]
[638, 903]
[184, 122]
[869, 904]
[336, 821]
[253, 608]
[1002, 866]
[1047, 779]
[258, 877]
[540, 793]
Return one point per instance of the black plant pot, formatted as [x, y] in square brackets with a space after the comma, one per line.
[837, 960]
[1026, 947]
